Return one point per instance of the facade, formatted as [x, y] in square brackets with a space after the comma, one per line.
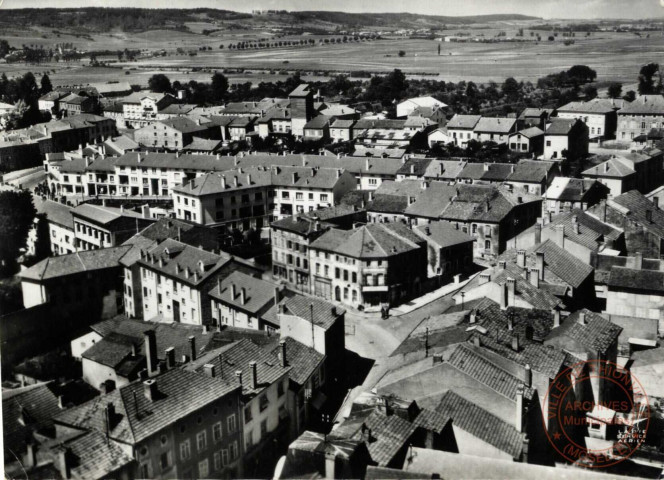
[99, 226]
[599, 115]
[142, 108]
[176, 133]
[462, 127]
[497, 130]
[449, 251]
[622, 172]
[636, 292]
[639, 117]
[530, 140]
[565, 139]
[566, 194]
[60, 226]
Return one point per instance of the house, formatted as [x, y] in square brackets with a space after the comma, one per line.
[408, 106]
[385, 133]
[176, 133]
[495, 130]
[240, 127]
[599, 115]
[74, 104]
[51, 101]
[622, 172]
[59, 226]
[100, 226]
[203, 145]
[529, 140]
[636, 292]
[640, 220]
[369, 265]
[565, 194]
[439, 136]
[576, 231]
[533, 176]
[161, 421]
[462, 127]
[317, 129]
[141, 108]
[291, 239]
[450, 251]
[302, 108]
[565, 139]
[535, 117]
[341, 130]
[638, 117]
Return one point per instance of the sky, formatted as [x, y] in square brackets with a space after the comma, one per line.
[540, 8]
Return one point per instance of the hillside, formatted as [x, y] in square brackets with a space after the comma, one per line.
[99, 20]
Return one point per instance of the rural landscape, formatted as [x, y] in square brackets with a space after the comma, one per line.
[335, 242]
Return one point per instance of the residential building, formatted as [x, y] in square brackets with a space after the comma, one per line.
[408, 106]
[462, 127]
[535, 117]
[495, 130]
[179, 424]
[533, 176]
[529, 140]
[439, 136]
[636, 292]
[565, 139]
[176, 133]
[74, 104]
[100, 226]
[622, 171]
[240, 127]
[384, 133]
[50, 102]
[566, 194]
[341, 130]
[141, 108]
[317, 129]
[449, 251]
[59, 224]
[638, 117]
[368, 266]
[301, 108]
[640, 220]
[252, 198]
[599, 115]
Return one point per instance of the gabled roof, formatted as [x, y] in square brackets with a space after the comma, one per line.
[203, 145]
[644, 105]
[303, 360]
[317, 122]
[597, 333]
[594, 106]
[258, 294]
[531, 132]
[443, 234]
[180, 393]
[634, 206]
[325, 314]
[561, 126]
[463, 122]
[482, 424]
[612, 168]
[55, 212]
[566, 189]
[622, 278]
[73, 263]
[494, 125]
[101, 214]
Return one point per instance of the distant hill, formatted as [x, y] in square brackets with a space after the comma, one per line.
[95, 19]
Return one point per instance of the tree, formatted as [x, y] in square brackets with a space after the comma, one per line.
[590, 91]
[402, 53]
[46, 85]
[581, 74]
[630, 96]
[4, 48]
[511, 88]
[615, 90]
[219, 86]
[439, 49]
[159, 83]
[17, 213]
[646, 78]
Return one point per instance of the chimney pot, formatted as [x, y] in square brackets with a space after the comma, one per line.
[150, 351]
[150, 389]
[238, 375]
[284, 358]
[209, 370]
[170, 357]
[582, 318]
[254, 374]
[192, 347]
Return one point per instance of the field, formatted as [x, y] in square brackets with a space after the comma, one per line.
[615, 56]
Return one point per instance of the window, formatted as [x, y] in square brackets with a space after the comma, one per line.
[299, 196]
[217, 460]
[201, 441]
[203, 469]
[224, 457]
[165, 460]
[145, 470]
[311, 196]
[373, 181]
[285, 195]
[185, 450]
[263, 428]
[264, 402]
[216, 432]
[233, 450]
[337, 273]
[323, 197]
[548, 143]
[247, 414]
[280, 389]
[231, 423]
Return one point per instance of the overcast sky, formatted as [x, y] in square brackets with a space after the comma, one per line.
[540, 8]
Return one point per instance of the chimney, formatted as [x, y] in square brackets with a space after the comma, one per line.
[502, 264]
[503, 296]
[110, 416]
[284, 358]
[582, 318]
[427, 230]
[150, 350]
[655, 200]
[534, 277]
[528, 374]
[510, 323]
[649, 216]
[209, 370]
[233, 291]
[238, 375]
[518, 420]
[559, 238]
[477, 341]
[538, 234]
[511, 291]
[540, 264]
[145, 211]
[64, 463]
[235, 181]
[243, 296]
[192, 348]
[556, 318]
[486, 167]
[294, 180]
[277, 295]
[150, 389]
[473, 317]
[638, 261]
[223, 182]
[330, 464]
[521, 258]
[170, 357]
[254, 374]
[515, 343]
[437, 358]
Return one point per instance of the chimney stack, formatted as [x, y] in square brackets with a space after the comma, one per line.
[170, 357]
[538, 234]
[209, 370]
[534, 277]
[233, 292]
[638, 261]
[540, 264]
[330, 464]
[560, 236]
[150, 389]
[145, 211]
[243, 296]
[529, 376]
[254, 374]
[192, 348]
[518, 419]
[521, 258]
[473, 317]
[515, 343]
[556, 318]
[284, 358]
[582, 318]
[238, 375]
[150, 351]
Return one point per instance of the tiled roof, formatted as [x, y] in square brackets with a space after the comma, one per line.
[463, 122]
[587, 107]
[591, 230]
[389, 434]
[534, 112]
[481, 424]
[83, 261]
[565, 189]
[414, 166]
[24, 411]
[561, 126]
[375, 240]
[236, 357]
[318, 122]
[181, 230]
[303, 360]
[633, 205]
[444, 169]
[325, 314]
[613, 168]
[645, 105]
[258, 294]
[443, 233]
[431, 420]
[495, 125]
[320, 443]
[379, 124]
[597, 333]
[55, 212]
[531, 132]
[383, 473]
[202, 144]
[563, 264]
[531, 171]
[622, 278]
[101, 214]
[95, 456]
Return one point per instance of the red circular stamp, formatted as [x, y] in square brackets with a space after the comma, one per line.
[596, 414]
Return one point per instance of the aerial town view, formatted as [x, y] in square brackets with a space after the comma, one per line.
[332, 240]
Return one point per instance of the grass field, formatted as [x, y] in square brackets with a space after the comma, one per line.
[615, 56]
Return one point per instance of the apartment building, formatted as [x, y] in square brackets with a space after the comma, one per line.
[99, 226]
[461, 128]
[253, 197]
[59, 225]
[141, 108]
[566, 194]
[599, 115]
[625, 171]
[497, 130]
[176, 133]
[565, 138]
[640, 116]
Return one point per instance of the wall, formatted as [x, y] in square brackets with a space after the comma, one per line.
[469, 444]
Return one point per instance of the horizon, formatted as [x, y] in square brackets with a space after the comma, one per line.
[549, 10]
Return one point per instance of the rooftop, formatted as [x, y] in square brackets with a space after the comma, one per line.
[73, 263]
[595, 332]
[251, 294]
